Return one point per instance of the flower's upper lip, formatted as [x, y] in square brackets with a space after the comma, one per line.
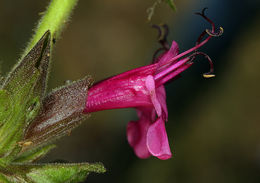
[144, 70]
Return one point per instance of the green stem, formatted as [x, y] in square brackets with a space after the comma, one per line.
[54, 19]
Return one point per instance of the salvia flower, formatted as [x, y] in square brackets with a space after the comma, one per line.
[143, 89]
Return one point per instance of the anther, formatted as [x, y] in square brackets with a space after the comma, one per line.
[206, 75]
[209, 74]
[215, 34]
[25, 144]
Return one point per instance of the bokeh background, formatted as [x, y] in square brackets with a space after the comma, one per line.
[214, 124]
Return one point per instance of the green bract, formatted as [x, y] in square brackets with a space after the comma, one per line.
[23, 88]
[24, 102]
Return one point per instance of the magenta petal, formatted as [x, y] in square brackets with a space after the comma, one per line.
[157, 140]
[150, 85]
[166, 56]
[161, 96]
[136, 136]
[121, 91]
[174, 50]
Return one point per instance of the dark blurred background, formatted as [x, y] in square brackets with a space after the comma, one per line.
[214, 124]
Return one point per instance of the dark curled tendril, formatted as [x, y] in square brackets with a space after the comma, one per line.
[200, 37]
[156, 53]
[211, 32]
[202, 13]
[209, 74]
[163, 31]
[159, 29]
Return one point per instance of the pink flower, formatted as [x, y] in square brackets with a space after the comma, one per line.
[143, 89]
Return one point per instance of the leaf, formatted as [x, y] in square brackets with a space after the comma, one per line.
[24, 89]
[3, 179]
[62, 111]
[50, 173]
[171, 4]
[60, 173]
[150, 11]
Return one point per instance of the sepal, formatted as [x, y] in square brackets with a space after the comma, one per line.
[62, 110]
[21, 94]
[34, 154]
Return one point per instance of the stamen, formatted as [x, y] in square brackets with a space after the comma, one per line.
[173, 75]
[180, 66]
[159, 30]
[199, 42]
[203, 10]
[163, 31]
[206, 18]
[188, 51]
[171, 68]
[169, 72]
[200, 37]
[211, 32]
[209, 74]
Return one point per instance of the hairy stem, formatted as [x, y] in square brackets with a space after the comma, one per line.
[54, 19]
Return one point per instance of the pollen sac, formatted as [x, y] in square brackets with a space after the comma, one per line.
[62, 110]
[209, 75]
